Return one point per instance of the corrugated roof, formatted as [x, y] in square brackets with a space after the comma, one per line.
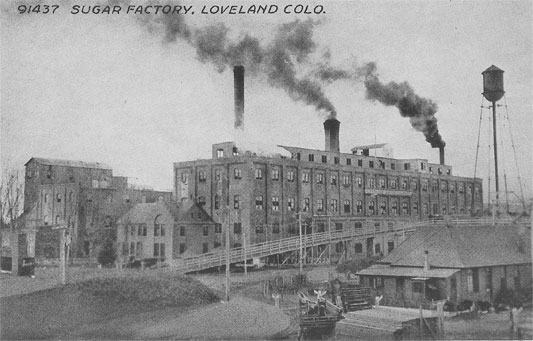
[69, 163]
[385, 270]
[463, 247]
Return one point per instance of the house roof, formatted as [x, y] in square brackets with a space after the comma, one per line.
[463, 247]
[386, 270]
[68, 163]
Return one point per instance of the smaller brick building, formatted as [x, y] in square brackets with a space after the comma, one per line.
[455, 262]
[166, 231]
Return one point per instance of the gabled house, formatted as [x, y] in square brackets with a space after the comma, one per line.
[455, 262]
[165, 231]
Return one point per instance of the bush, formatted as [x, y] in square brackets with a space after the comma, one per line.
[356, 265]
[107, 254]
[512, 298]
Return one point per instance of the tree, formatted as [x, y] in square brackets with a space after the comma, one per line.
[11, 198]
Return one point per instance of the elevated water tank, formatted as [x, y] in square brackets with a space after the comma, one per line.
[493, 83]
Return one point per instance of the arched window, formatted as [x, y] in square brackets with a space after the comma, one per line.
[57, 219]
[45, 220]
[159, 227]
[58, 197]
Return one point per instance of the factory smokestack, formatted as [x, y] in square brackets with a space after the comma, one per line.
[331, 132]
[238, 80]
[441, 154]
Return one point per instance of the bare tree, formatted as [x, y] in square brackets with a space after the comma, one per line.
[11, 198]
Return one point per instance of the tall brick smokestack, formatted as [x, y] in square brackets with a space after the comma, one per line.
[441, 155]
[238, 83]
[331, 132]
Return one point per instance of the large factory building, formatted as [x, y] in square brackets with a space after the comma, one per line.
[261, 195]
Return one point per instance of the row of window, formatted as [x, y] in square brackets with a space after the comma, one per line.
[59, 197]
[346, 181]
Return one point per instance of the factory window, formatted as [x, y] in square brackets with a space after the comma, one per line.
[49, 173]
[452, 209]
[275, 203]
[371, 208]
[333, 180]
[360, 163]
[290, 176]
[476, 191]
[383, 208]
[217, 202]
[382, 183]
[393, 184]
[346, 180]
[324, 159]
[205, 247]
[404, 184]
[298, 156]
[237, 174]
[371, 183]
[444, 209]
[275, 174]
[144, 229]
[426, 208]
[320, 205]
[443, 187]
[359, 206]
[306, 204]
[406, 166]
[431, 169]
[394, 208]
[235, 151]
[259, 202]
[358, 248]
[346, 206]
[259, 174]
[259, 229]
[462, 210]
[424, 186]
[156, 229]
[390, 246]
[217, 175]
[321, 227]
[132, 249]
[405, 208]
[46, 198]
[359, 182]
[237, 228]
[417, 287]
[184, 177]
[422, 166]
[333, 205]
[290, 204]
[305, 177]
[336, 160]
[220, 152]
[371, 164]
[218, 228]
[201, 201]
[58, 197]
[439, 171]
[205, 231]
[469, 189]
[377, 226]
[319, 178]
[70, 196]
[182, 248]
[415, 208]
[393, 166]
[201, 176]
[448, 172]
[434, 186]
[156, 249]
[348, 162]
[452, 188]
[358, 225]
[377, 248]
[435, 209]
[414, 184]
[275, 228]
[236, 199]
[57, 219]
[311, 157]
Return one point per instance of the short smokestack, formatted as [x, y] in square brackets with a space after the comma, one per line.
[441, 154]
[238, 83]
[331, 131]
[426, 260]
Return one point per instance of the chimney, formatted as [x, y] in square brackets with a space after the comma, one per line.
[331, 131]
[441, 154]
[426, 260]
[238, 83]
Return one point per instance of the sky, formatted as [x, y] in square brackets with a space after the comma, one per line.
[115, 89]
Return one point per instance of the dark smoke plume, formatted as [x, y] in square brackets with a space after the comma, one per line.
[421, 111]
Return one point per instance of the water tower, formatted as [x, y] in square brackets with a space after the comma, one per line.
[493, 92]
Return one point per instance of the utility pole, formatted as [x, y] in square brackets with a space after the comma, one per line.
[301, 242]
[64, 242]
[227, 255]
[329, 231]
[244, 250]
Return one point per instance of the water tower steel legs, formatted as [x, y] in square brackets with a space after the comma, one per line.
[495, 155]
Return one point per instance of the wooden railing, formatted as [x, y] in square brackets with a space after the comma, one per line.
[213, 259]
